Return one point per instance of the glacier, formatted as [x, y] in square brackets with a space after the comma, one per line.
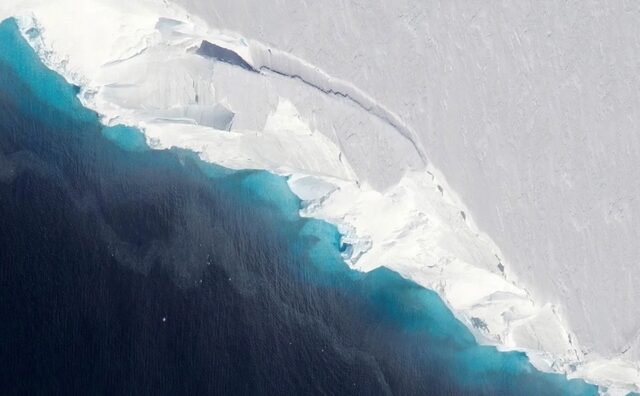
[378, 125]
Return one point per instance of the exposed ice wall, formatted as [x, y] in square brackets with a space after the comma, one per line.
[530, 109]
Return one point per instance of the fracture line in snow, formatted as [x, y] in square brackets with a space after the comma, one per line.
[372, 108]
[287, 65]
[284, 64]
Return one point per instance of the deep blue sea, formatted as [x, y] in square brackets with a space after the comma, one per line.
[125, 270]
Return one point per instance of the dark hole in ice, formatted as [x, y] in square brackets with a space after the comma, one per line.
[222, 54]
[345, 247]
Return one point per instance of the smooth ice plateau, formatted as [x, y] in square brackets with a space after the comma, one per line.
[247, 103]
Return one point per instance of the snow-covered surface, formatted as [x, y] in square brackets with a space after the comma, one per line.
[528, 112]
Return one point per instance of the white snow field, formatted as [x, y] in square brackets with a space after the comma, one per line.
[530, 110]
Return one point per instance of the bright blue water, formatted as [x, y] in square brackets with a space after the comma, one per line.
[128, 138]
[125, 270]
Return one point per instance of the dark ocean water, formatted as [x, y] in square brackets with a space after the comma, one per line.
[125, 270]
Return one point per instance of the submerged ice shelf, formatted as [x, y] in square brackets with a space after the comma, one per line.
[149, 72]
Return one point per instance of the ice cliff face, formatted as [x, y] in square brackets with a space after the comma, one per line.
[529, 111]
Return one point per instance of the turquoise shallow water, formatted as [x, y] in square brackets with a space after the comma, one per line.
[152, 272]
[128, 138]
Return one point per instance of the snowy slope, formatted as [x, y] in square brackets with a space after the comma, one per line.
[359, 105]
